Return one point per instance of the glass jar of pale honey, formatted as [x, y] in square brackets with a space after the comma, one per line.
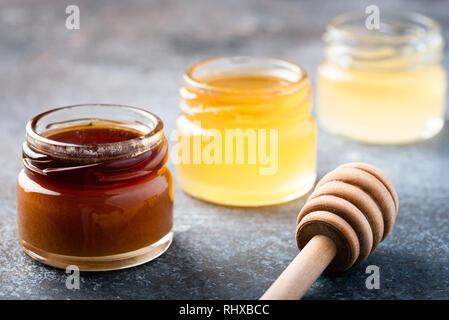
[245, 136]
[94, 191]
[382, 84]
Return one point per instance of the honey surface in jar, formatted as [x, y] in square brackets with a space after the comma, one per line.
[102, 214]
[94, 134]
[247, 139]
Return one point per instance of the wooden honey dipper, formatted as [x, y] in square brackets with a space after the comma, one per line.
[351, 210]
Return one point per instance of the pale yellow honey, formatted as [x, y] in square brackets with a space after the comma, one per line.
[394, 106]
[253, 103]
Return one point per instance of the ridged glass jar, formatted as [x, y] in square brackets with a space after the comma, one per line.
[383, 85]
[94, 191]
[246, 136]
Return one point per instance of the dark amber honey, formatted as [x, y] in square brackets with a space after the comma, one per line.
[90, 134]
[99, 214]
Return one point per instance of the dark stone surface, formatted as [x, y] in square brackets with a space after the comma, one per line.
[134, 53]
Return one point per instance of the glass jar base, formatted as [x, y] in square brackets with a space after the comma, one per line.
[430, 129]
[101, 263]
[238, 198]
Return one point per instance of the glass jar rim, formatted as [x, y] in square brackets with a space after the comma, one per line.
[100, 151]
[404, 41]
[427, 24]
[294, 85]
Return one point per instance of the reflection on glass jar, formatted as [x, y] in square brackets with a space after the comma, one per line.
[382, 86]
[246, 136]
[95, 191]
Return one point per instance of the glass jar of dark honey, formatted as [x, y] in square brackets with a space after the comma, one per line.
[94, 191]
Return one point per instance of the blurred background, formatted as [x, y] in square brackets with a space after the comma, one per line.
[134, 53]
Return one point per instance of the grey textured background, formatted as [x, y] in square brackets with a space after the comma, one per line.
[134, 53]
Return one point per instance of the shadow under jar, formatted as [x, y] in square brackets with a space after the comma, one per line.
[95, 191]
[385, 85]
[246, 136]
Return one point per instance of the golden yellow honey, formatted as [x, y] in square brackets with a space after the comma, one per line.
[246, 136]
[382, 86]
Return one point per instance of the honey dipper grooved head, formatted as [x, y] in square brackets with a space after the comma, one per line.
[355, 205]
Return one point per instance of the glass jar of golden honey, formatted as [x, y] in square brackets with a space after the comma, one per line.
[382, 85]
[94, 191]
[246, 136]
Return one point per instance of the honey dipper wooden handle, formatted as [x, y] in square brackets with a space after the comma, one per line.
[302, 272]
